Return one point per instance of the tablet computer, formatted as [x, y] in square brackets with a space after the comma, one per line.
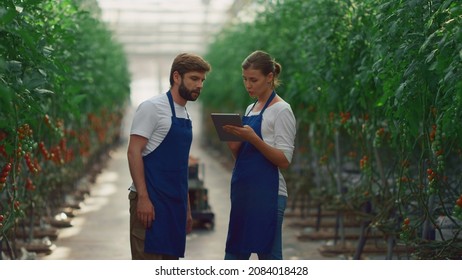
[221, 119]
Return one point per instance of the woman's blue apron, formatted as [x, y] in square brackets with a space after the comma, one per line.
[166, 172]
[254, 194]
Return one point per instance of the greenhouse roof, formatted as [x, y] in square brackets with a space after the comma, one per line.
[164, 27]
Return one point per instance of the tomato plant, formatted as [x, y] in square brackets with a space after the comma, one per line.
[58, 65]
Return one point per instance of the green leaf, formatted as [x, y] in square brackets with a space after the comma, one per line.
[43, 91]
[7, 15]
[76, 100]
[430, 57]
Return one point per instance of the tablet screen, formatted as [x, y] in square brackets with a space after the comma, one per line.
[221, 119]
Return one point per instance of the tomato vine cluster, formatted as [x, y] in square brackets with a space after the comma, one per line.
[457, 212]
[4, 176]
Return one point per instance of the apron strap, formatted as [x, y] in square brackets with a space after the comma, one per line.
[172, 107]
[273, 94]
[170, 100]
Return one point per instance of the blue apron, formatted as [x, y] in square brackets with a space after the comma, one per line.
[254, 194]
[166, 172]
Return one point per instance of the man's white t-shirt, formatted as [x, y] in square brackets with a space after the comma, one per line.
[153, 119]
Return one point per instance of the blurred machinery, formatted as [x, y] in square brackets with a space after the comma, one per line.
[202, 214]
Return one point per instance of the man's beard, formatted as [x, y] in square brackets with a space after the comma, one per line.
[186, 93]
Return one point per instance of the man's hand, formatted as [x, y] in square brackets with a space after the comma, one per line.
[189, 223]
[145, 211]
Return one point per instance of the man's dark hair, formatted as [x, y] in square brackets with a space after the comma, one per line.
[187, 62]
